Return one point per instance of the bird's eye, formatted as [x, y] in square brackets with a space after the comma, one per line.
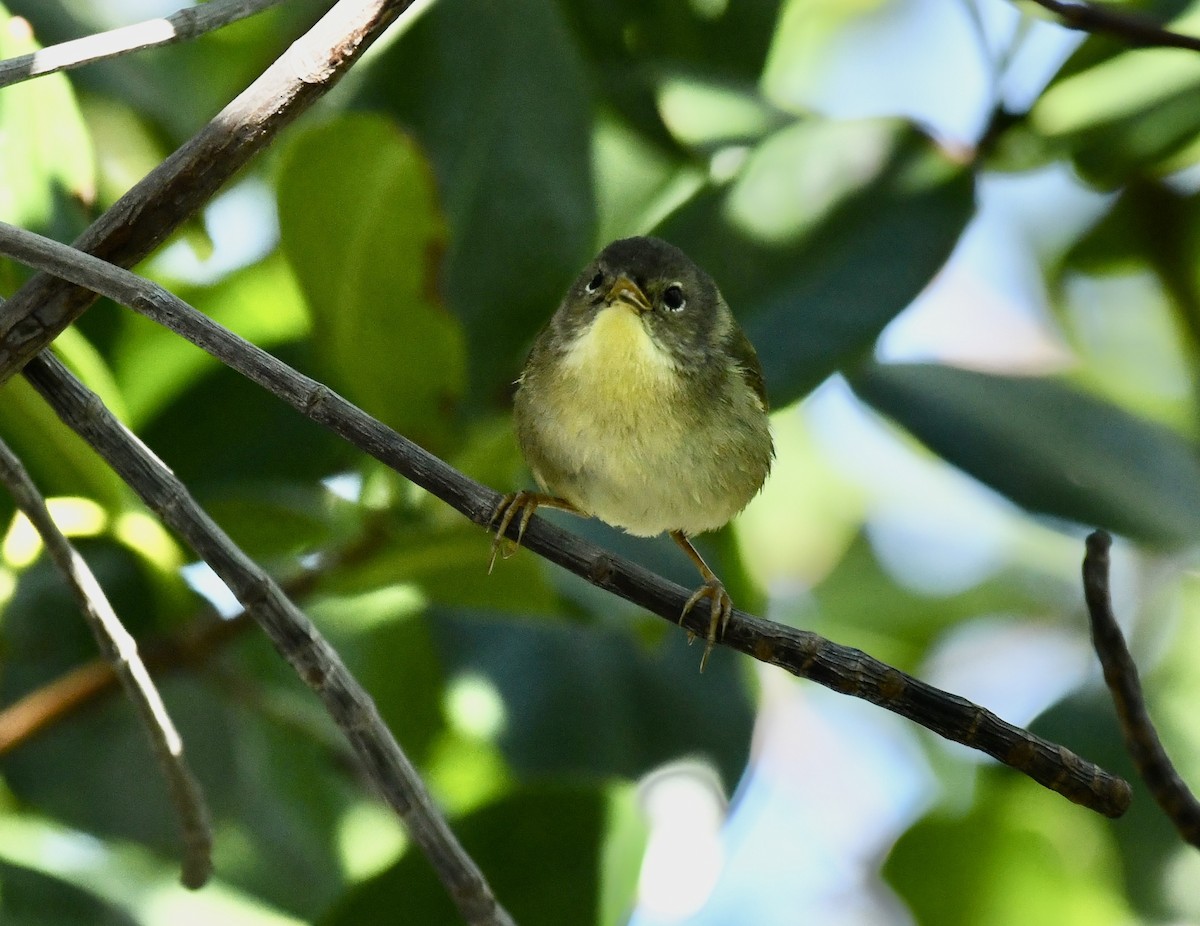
[596, 282]
[673, 298]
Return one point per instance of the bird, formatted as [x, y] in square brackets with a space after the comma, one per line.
[642, 403]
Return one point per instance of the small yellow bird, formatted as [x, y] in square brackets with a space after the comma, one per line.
[642, 403]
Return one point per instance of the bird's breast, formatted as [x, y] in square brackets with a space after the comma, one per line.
[612, 429]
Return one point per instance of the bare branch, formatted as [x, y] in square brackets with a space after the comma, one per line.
[178, 27]
[191, 645]
[804, 654]
[76, 688]
[120, 650]
[294, 635]
[1131, 28]
[1154, 766]
[178, 187]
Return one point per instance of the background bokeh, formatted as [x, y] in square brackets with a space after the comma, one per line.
[966, 243]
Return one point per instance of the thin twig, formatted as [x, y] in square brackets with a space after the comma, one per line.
[802, 653]
[1131, 28]
[178, 27]
[1153, 764]
[181, 185]
[65, 695]
[191, 645]
[120, 650]
[294, 635]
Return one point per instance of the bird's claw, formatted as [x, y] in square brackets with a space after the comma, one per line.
[719, 613]
[506, 509]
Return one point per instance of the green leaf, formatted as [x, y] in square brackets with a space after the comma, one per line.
[362, 229]
[498, 96]
[847, 606]
[554, 828]
[1048, 447]
[45, 151]
[1124, 115]
[449, 566]
[387, 645]
[60, 462]
[603, 704]
[829, 231]
[1145, 838]
[1023, 854]
[632, 46]
[224, 431]
[262, 303]
[30, 898]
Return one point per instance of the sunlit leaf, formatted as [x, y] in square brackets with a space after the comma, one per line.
[1023, 854]
[503, 107]
[633, 46]
[363, 232]
[558, 826]
[829, 231]
[45, 151]
[261, 303]
[603, 704]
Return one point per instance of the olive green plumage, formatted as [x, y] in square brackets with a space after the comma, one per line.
[642, 403]
[652, 419]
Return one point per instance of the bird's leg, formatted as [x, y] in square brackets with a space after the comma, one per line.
[526, 503]
[722, 605]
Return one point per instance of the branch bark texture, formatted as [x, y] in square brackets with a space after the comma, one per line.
[289, 629]
[802, 653]
[182, 184]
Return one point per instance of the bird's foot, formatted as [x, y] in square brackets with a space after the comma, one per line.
[720, 610]
[526, 504]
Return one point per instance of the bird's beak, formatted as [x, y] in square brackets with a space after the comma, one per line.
[626, 291]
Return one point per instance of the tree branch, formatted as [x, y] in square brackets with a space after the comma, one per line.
[120, 651]
[802, 653]
[70, 692]
[178, 27]
[1134, 29]
[1154, 766]
[293, 634]
[178, 187]
[191, 645]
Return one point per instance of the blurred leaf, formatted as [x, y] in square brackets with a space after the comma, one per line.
[634, 45]
[555, 828]
[261, 303]
[361, 227]
[60, 462]
[709, 115]
[636, 182]
[125, 877]
[504, 109]
[595, 702]
[388, 647]
[830, 230]
[1048, 447]
[848, 606]
[213, 68]
[275, 519]
[45, 151]
[29, 898]
[1123, 115]
[449, 566]
[1023, 854]
[225, 430]
[626, 834]
[803, 37]
[1145, 839]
